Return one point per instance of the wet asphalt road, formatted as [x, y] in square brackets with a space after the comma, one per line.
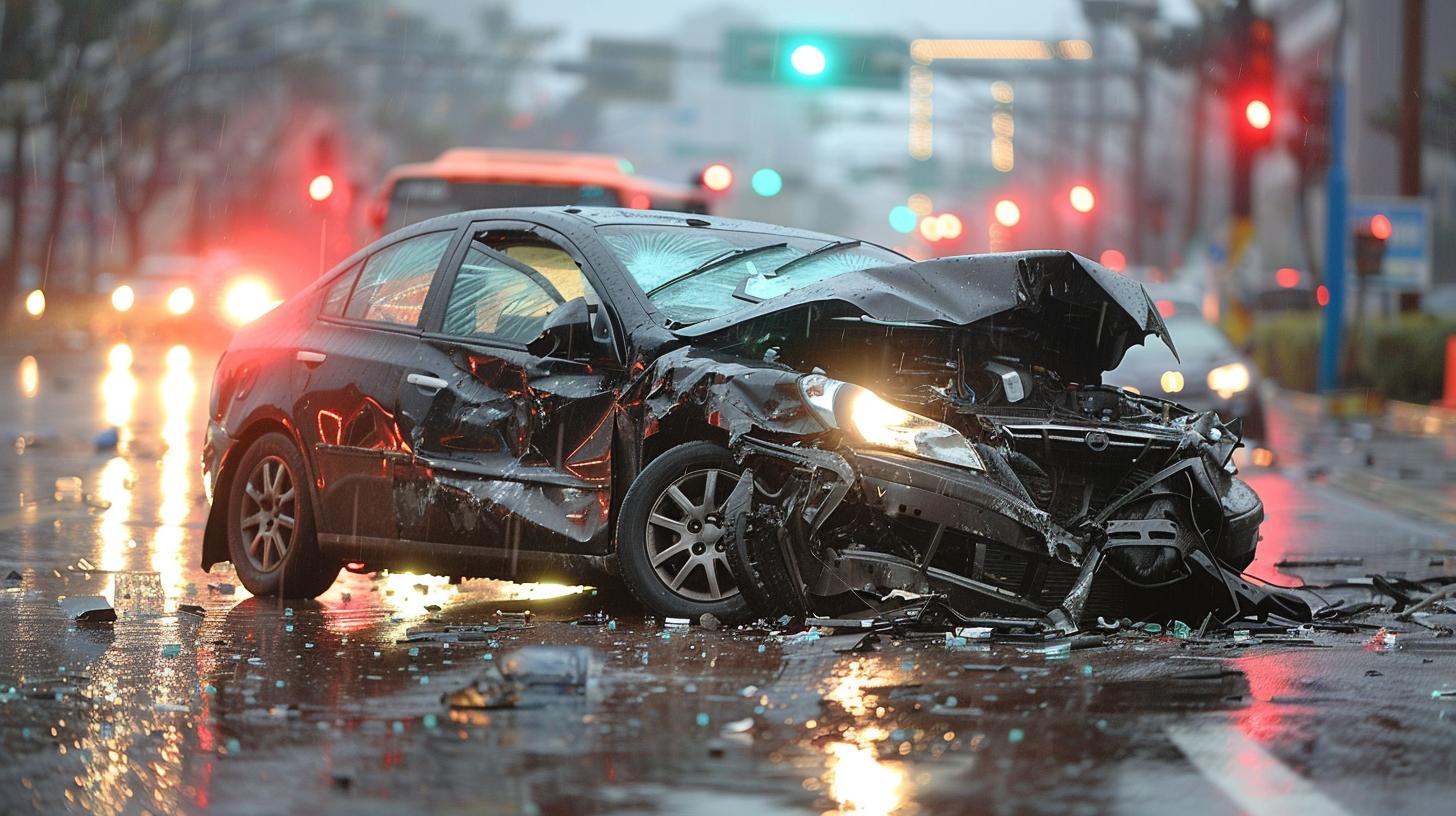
[260, 707]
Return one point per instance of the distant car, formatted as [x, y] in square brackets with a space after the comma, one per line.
[1211, 376]
[177, 296]
[737, 418]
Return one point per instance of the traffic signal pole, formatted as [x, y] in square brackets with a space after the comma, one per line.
[1336, 193]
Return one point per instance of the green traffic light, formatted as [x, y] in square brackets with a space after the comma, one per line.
[808, 60]
[903, 219]
[767, 182]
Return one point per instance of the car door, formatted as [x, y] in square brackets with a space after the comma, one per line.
[513, 448]
[350, 368]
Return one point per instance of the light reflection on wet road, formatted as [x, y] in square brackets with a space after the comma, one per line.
[270, 707]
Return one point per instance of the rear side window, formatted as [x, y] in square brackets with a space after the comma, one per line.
[396, 279]
[339, 290]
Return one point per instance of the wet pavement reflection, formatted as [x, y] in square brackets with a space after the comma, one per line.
[201, 698]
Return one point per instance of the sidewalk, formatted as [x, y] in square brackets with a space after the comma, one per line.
[1395, 454]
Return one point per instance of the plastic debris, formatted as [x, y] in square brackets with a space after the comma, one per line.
[13, 576]
[676, 624]
[222, 588]
[592, 619]
[452, 634]
[191, 609]
[1180, 630]
[88, 609]
[513, 620]
[974, 632]
[171, 649]
[1242, 635]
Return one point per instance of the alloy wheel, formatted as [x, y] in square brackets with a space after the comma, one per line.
[685, 536]
[269, 513]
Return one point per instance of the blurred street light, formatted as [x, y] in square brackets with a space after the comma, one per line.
[181, 300]
[950, 226]
[1007, 212]
[717, 177]
[1113, 259]
[1258, 114]
[1380, 226]
[902, 219]
[930, 228]
[767, 182]
[35, 303]
[1082, 198]
[320, 187]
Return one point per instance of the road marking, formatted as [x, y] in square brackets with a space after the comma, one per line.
[1247, 774]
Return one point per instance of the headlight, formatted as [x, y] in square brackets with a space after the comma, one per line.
[865, 416]
[1228, 380]
[1171, 381]
[123, 298]
[181, 300]
[247, 300]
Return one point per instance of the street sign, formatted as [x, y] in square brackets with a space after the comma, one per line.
[1407, 263]
[630, 69]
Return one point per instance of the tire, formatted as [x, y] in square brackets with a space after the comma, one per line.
[683, 533]
[269, 490]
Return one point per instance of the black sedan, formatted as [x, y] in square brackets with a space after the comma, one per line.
[736, 418]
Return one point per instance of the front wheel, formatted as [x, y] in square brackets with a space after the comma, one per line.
[271, 539]
[670, 542]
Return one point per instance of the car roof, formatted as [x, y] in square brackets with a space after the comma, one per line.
[623, 216]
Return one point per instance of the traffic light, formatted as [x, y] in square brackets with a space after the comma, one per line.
[1370, 238]
[322, 170]
[903, 219]
[766, 182]
[1081, 198]
[716, 178]
[1253, 95]
[1007, 212]
[814, 58]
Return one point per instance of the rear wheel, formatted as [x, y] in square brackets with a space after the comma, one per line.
[271, 538]
[670, 535]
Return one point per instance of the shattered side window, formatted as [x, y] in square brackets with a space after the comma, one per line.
[396, 279]
[339, 291]
[492, 298]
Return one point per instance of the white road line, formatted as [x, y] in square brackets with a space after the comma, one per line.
[1247, 774]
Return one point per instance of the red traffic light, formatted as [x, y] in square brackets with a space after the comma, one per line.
[1380, 226]
[1081, 198]
[717, 177]
[320, 187]
[1258, 114]
[1007, 212]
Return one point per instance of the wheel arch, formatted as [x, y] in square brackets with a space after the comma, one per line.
[214, 535]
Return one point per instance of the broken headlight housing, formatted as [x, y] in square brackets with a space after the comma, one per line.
[867, 417]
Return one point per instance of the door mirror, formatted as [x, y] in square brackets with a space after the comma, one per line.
[566, 334]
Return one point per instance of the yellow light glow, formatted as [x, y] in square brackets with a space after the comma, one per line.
[1172, 381]
[1002, 92]
[35, 303]
[1003, 154]
[123, 298]
[1263, 457]
[247, 300]
[181, 300]
[950, 226]
[930, 228]
[925, 52]
[320, 187]
[1228, 380]
[29, 377]
[920, 204]
[1074, 50]
[118, 391]
[120, 356]
[178, 358]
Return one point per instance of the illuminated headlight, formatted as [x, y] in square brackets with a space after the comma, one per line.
[1227, 380]
[247, 300]
[865, 416]
[181, 300]
[123, 298]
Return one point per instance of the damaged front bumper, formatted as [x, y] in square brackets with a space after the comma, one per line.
[821, 531]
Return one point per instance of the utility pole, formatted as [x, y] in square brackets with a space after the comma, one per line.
[1335, 227]
[1412, 63]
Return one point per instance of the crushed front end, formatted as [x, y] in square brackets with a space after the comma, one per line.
[965, 447]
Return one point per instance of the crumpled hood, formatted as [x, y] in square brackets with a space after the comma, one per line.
[1081, 315]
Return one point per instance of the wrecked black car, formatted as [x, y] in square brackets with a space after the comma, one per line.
[737, 418]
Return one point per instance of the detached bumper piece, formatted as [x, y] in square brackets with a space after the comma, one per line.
[820, 532]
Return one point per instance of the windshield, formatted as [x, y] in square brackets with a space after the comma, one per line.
[661, 258]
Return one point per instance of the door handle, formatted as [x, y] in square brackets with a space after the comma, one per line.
[426, 383]
[312, 358]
